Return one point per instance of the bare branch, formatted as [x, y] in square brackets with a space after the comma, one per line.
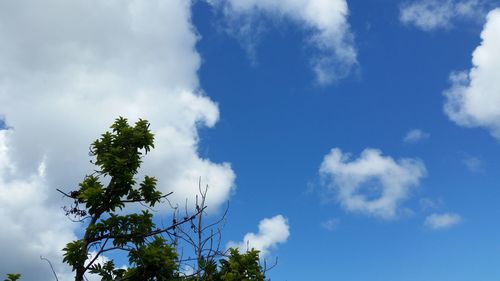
[144, 235]
[51, 267]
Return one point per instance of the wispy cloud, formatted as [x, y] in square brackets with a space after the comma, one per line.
[415, 135]
[330, 224]
[473, 164]
[427, 204]
[325, 21]
[442, 221]
[439, 14]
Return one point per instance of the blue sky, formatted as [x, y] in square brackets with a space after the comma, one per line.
[325, 120]
[278, 125]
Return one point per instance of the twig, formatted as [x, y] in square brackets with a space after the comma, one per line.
[51, 267]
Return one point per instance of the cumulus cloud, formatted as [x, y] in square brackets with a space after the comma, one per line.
[325, 20]
[272, 231]
[31, 226]
[473, 100]
[415, 135]
[65, 74]
[438, 14]
[372, 184]
[442, 221]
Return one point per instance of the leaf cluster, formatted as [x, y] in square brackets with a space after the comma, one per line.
[13, 277]
[235, 266]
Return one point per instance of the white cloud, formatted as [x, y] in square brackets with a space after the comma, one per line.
[473, 164]
[442, 221]
[272, 231]
[31, 226]
[372, 184]
[415, 135]
[474, 97]
[430, 204]
[330, 224]
[437, 14]
[325, 20]
[65, 74]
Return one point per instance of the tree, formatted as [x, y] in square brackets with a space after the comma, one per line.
[232, 267]
[241, 266]
[13, 277]
[152, 251]
[118, 155]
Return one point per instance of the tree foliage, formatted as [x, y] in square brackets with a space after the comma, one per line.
[241, 266]
[13, 277]
[152, 253]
